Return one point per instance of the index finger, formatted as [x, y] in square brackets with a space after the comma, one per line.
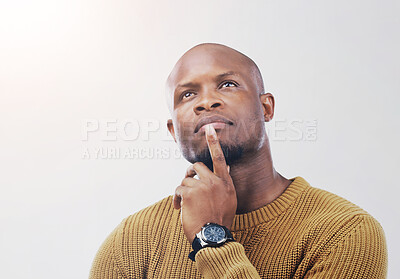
[217, 156]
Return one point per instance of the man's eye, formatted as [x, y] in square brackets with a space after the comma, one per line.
[228, 84]
[187, 94]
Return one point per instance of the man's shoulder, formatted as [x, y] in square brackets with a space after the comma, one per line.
[314, 200]
[325, 202]
[331, 211]
[329, 221]
[160, 211]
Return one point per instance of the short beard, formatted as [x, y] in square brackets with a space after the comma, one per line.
[232, 154]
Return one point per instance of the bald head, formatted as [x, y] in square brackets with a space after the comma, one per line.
[207, 57]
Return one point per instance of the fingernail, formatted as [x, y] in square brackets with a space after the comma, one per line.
[211, 130]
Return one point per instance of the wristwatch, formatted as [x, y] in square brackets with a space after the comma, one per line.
[211, 235]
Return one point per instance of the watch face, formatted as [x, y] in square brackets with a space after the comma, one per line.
[214, 233]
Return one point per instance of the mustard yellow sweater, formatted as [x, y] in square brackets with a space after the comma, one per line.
[305, 233]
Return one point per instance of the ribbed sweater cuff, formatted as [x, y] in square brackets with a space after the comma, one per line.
[227, 261]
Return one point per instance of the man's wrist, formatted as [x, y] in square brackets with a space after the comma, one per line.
[210, 235]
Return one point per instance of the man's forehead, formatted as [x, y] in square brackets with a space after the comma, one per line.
[212, 61]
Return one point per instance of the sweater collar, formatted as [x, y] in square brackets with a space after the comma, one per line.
[273, 209]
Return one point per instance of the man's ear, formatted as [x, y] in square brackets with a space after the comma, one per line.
[171, 130]
[268, 105]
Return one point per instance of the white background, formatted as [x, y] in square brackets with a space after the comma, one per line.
[63, 63]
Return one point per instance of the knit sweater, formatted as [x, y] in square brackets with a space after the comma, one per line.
[305, 233]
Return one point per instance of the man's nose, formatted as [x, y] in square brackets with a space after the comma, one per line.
[207, 102]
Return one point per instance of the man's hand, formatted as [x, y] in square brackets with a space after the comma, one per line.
[212, 197]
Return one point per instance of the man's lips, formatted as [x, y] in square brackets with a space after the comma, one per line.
[217, 121]
[216, 125]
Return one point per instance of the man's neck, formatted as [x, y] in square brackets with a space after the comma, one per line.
[256, 181]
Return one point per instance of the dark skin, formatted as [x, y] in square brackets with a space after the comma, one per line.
[214, 80]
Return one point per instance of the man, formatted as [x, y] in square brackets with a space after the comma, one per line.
[234, 215]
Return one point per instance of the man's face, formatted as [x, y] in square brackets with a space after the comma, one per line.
[217, 86]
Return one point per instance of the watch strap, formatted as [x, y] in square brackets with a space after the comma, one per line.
[196, 247]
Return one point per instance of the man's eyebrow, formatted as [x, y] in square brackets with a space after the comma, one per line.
[188, 84]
